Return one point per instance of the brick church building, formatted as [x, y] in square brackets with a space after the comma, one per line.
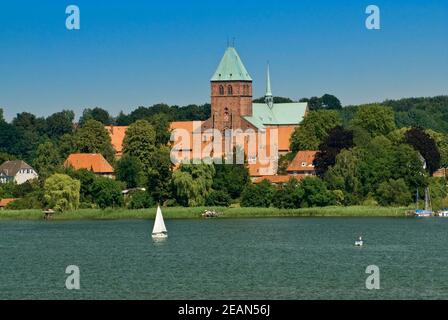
[232, 107]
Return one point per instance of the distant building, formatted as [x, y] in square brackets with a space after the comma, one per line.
[5, 202]
[94, 162]
[276, 180]
[302, 164]
[117, 134]
[18, 171]
[441, 173]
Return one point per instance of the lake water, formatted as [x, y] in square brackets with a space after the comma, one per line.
[297, 258]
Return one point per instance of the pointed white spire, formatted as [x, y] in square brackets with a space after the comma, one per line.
[269, 99]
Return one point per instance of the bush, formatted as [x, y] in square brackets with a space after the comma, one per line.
[61, 192]
[289, 196]
[107, 193]
[394, 193]
[218, 198]
[315, 193]
[258, 195]
[141, 200]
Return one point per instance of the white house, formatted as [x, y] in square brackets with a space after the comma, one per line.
[18, 171]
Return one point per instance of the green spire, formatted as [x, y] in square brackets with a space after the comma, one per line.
[231, 68]
[268, 97]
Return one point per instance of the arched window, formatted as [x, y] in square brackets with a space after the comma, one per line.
[226, 114]
[221, 90]
[229, 90]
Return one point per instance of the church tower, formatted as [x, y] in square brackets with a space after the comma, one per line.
[231, 93]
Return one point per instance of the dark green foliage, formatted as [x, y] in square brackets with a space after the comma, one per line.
[375, 119]
[338, 139]
[288, 196]
[231, 178]
[130, 170]
[258, 195]
[97, 114]
[107, 193]
[141, 200]
[314, 193]
[218, 198]
[276, 100]
[426, 146]
[327, 101]
[393, 193]
[60, 123]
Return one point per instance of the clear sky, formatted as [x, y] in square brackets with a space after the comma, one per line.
[131, 53]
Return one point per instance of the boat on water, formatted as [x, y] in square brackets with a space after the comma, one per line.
[443, 213]
[359, 242]
[159, 231]
[427, 212]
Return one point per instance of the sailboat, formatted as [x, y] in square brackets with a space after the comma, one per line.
[427, 212]
[159, 230]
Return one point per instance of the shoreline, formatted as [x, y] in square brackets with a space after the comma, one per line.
[195, 213]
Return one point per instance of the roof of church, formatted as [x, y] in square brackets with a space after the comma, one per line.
[231, 68]
[280, 114]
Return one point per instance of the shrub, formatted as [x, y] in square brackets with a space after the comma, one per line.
[394, 193]
[141, 200]
[258, 195]
[218, 198]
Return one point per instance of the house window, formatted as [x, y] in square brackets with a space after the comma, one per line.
[229, 90]
[221, 90]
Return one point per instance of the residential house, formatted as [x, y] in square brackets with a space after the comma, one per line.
[18, 171]
[117, 134]
[302, 164]
[94, 162]
[5, 202]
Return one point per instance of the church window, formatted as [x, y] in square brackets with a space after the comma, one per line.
[221, 90]
[229, 90]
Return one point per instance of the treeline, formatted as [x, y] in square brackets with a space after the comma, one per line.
[367, 155]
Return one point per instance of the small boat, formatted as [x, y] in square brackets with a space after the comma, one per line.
[427, 212]
[159, 231]
[359, 242]
[443, 213]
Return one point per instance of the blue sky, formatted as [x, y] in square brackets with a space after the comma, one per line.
[131, 53]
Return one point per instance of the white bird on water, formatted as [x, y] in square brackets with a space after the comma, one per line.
[359, 242]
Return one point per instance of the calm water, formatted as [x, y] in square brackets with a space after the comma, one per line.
[301, 258]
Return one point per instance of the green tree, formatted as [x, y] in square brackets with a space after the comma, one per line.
[130, 170]
[140, 142]
[375, 119]
[61, 192]
[159, 174]
[97, 114]
[344, 176]
[231, 178]
[87, 179]
[288, 196]
[47, 159]
[258, 195]
[60, 123]
[426, 146]
[218, 198]
[393, 193]
[161, 124]
[193, 183]
[315, 193]
[107, 193]
[141, 200]
[94, 138]
[314, 129]
[338, 139]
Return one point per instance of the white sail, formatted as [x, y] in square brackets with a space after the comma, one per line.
[159, 224]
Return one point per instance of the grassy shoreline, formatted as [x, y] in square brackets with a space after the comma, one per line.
[195, 213]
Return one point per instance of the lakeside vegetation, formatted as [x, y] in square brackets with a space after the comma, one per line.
[195, 213]
[367, 156]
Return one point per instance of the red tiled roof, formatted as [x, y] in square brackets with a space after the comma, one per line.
[94, 162]
[303, 161]
[440, 173]
[6, 201]
[117, 134]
